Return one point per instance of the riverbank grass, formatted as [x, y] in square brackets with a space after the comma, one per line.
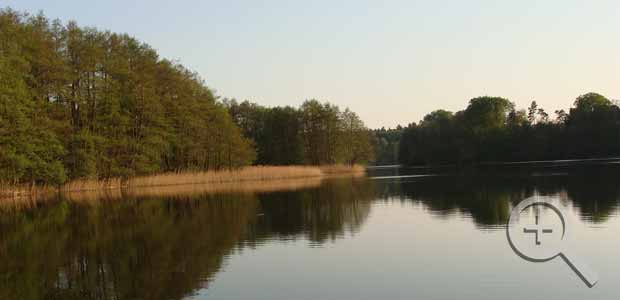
[254, 173]
[243, 178]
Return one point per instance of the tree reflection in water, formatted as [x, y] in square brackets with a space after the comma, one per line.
[160, 248]
[488, 196]
[144, 246]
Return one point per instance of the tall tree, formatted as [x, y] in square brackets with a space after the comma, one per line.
[81, 103]
[356, 139]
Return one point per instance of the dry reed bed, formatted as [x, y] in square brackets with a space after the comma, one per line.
[23, 191]
[246, 180]
[85, 185]
[228, 187]
[18, 204]
[257, 173]
[22, 196]
[7, 191]
[172, 191]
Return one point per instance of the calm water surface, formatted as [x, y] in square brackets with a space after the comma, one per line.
[389, 236]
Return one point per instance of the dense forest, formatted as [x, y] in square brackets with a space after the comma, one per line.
[490, 129]
[386, 142]
[77, 102]
[315, 133]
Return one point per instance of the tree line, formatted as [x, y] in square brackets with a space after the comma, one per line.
[490, 129]
[315, 133]
[386, 142]
[83, 103]
[77, 102]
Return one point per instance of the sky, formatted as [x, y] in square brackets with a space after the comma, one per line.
[392, 62]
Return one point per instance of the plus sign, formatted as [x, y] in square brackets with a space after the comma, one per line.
[536, 230]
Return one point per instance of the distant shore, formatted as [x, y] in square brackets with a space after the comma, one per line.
[245, 179]
[533, 163]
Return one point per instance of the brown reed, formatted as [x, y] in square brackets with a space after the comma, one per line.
[248, 179]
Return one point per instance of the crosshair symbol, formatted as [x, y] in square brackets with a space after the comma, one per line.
[521, 244]
[537, 230]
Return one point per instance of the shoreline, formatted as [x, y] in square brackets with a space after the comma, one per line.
[557, 162]
[252, 178]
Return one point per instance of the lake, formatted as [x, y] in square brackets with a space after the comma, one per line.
[395, 234]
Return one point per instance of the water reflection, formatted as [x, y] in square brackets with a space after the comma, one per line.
[145, 246]
[160, 248]
[319, 215]
[487, 196]
[133, 249]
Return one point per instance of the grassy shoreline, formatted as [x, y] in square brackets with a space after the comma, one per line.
[253, 178]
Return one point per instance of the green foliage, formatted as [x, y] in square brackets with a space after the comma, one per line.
[591, 102]
[436, 140]
[490, 129]
[595, 121]
[320, 132]
[487, 113]
[281, 142]
[356, 142]
[81, 103]
[386, 143]
[316, 133]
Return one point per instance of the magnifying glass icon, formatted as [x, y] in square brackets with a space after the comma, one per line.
[540, 241]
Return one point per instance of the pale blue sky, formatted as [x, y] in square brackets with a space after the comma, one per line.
[390, 61]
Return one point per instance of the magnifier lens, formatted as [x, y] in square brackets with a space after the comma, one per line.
[538, 234]
[537, 230]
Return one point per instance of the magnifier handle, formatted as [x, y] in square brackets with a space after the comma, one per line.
[589, 277]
